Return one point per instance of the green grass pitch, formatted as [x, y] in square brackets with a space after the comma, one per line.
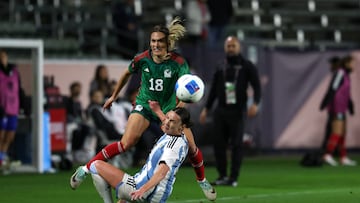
[263, 180]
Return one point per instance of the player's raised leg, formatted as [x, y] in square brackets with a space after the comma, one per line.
[197, 162]
[136, 125]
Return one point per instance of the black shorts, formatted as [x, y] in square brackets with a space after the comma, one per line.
[338, 116]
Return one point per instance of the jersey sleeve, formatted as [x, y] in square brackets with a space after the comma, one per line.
[136, 61]
[184, 69]
[133, 66]
[181, 63]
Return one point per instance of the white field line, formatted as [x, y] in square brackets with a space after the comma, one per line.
[267, 195]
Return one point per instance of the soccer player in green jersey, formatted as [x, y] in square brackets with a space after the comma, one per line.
[160, 67]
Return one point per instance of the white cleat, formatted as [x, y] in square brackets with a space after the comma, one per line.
[347, 162]
[330, 160]
[208, 190]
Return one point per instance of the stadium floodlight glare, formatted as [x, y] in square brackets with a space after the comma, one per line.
[37, 57]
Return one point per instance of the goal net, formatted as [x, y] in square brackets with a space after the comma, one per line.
[28, 55]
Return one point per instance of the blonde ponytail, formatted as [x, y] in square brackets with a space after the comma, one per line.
[176, 32]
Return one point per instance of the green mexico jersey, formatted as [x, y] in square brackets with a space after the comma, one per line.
[158, 80]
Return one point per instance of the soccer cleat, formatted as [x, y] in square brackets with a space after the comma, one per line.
[330, 160]
[232, 183]
[348, 162]
[208, 190]
[77, 178]
[220, 181]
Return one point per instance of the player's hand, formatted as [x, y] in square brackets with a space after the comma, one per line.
[137, 195]
[252, 111]
[108, 103]
[154, 106]
[202, 118]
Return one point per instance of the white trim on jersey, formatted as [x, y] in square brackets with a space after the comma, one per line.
[339, 76]
[169, 149]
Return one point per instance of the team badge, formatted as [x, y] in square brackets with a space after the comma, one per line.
[167, 73]
[139, 107]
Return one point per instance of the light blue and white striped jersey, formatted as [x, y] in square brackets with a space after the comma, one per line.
[169, 149]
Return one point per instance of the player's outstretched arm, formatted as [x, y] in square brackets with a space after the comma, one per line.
[154, 180]
[119, 85]
[155, 107]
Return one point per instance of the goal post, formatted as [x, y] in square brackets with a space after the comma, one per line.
[37, 133]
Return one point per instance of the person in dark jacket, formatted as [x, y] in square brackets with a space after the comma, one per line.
[229, 87]
[74, 108]
[126, 26]
[338, 101]
[98, 115]
[221, 14]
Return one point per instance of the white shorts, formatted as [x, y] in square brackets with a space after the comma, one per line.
[126, 187]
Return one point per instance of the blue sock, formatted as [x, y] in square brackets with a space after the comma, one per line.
[1, 155]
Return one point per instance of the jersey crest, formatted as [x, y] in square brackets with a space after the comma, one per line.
[167, 73]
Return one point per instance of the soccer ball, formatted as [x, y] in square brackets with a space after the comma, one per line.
[189, 88]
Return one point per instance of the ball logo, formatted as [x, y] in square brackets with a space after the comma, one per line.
[192, 87]
[189, 88]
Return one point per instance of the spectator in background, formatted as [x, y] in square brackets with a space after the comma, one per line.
[81, 136]
[10, 94]
[110, 124]
[97, 115]
[229, 86]
[74, 108]
[338, 101]
[197, 24]
[101, 81]
[197, 19]
[334, 65]
[221, 13]
[126, 24]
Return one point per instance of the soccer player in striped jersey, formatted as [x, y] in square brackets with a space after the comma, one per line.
[154, 182]
[160, 67]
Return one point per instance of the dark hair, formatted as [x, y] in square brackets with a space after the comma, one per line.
[184, 115]
[97, 71]
[334, 63]
[345, 62]
[334, 59]
[161, 28]
[74, 84]
[92, 92]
